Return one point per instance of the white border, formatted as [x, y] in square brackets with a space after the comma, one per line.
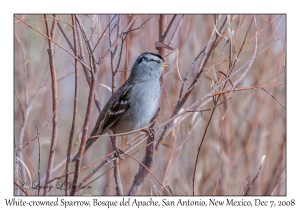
[153, 6]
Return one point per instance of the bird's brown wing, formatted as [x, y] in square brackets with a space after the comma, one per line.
[115, 107]
[113, 110]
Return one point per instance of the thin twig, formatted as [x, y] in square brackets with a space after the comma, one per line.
[54, 102]
[86, 70]
[25, 113]
[264, 28]
[148, 171]
[74, 109]
[250, 185]
[221, 150]
[139, 27]
[88, 45]
[66, 37]
[21, 147]
[39, 164]
[185, 78]
[199, 148]
[108, 25]
[278, 180]
[129, 25]
[253, 56]
[21, 188]
[85, 129]
[119, 187]
[273, 97]
[112, 55]
[106, 188]
[169, 26]
[176, 30]
[178, 150]
[162, 28]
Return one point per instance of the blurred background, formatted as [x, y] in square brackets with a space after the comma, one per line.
[244, 137]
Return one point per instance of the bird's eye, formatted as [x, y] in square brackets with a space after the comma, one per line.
[158, 61]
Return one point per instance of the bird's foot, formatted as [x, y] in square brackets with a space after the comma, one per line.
[150, 132]
[119, 153]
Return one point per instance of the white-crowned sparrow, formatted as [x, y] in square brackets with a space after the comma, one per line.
[134, 104]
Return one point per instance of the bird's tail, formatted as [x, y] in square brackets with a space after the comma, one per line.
[87, 146]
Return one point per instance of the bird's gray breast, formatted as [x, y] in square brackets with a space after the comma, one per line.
[143, 102]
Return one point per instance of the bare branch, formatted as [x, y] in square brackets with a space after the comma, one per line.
[54, 102]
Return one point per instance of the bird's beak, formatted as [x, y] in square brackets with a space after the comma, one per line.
[165, 64]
